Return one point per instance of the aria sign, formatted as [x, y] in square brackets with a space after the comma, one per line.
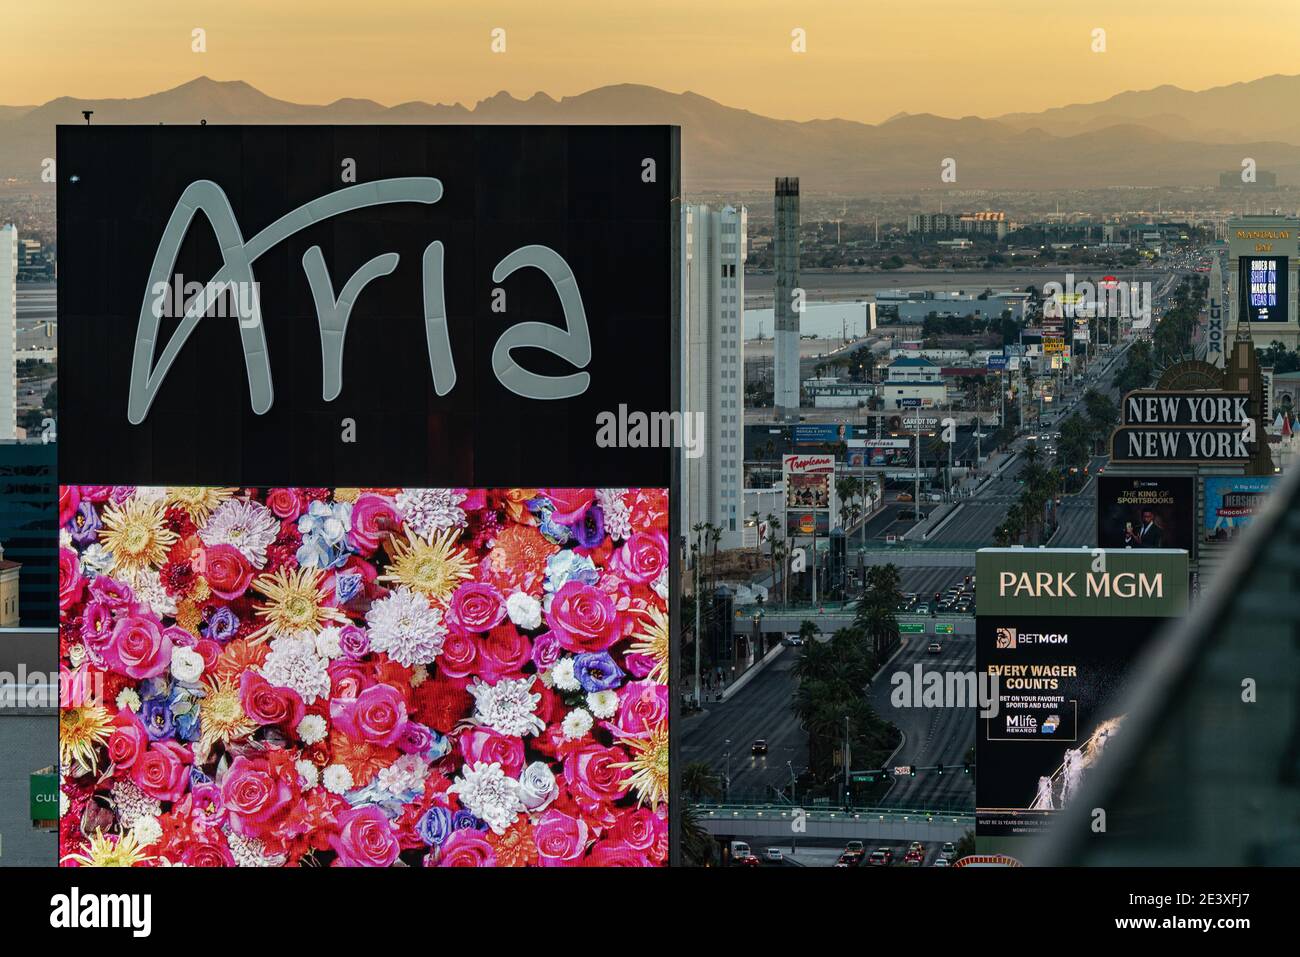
[430, 306]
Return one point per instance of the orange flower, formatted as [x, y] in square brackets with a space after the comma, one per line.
[516, 847]
[518, 559]
[239, 656]
[362, 759]
[512, 500]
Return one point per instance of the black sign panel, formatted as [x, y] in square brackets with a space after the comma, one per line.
[1146, 512]
[366, 305]
[1058, 681]
[1136, 443]
[1263, 283]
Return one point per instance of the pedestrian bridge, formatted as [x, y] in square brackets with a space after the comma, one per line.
[866, 824]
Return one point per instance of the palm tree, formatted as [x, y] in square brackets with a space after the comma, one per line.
[699, 781]
[698, 846]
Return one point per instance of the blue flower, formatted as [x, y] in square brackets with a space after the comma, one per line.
[465, 821]
[597, 671]
[156, 713]
[590, 529]
[435, 826]
[346, 587]
[566, 566]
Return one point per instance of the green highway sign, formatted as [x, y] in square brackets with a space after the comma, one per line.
[911, 628]
[944, 628]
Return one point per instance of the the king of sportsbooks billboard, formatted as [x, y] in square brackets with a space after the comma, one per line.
[1056, 635]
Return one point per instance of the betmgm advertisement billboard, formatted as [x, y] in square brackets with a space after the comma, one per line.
[1057, 633]
[809, 493]
[1146, 512]
[360, 578]
[1231, 502]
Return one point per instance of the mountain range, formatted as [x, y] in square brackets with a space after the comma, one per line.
[1165, 136]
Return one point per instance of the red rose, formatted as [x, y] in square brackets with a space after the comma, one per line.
[590, 773]
[258, 791]
[459, 654]
[128, 741]
[210, 652]
[203, 854]
[141, 648]
[69, 502]
[504, 652]
[160, 772]
[264, 703]
[71, 584]
[373, 517]
[491, 747]
[377, 716]
[285, 503]
[477, 607]
[365, 838]
[348, 678]
[227, 571]
[441, 702]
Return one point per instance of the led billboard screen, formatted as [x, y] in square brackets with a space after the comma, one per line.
[1264, 288]
[1142, 512]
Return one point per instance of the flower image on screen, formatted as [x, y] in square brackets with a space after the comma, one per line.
[363, 677]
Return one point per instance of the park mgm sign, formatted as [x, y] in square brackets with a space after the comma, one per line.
[1262, 261]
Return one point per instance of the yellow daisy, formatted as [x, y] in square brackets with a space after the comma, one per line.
[109, 851]
[295, 605]
[653, 643]
[433, 568]
[80, 731]
[135, 534]
[649, 767]
[199, 502]
[221, 715]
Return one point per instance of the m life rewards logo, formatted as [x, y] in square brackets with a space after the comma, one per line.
[1008, 639]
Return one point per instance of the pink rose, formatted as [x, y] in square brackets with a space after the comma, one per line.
[612, 853]
[264, 703]
[96, 493]
[365, 838]
[204, 854]
[590, 773]
[160, 772]
[466, 848]
[128, 741]
[491, 747]
[227, 571]
[373, 516]
[285, 504]
[258, 791]
[643, 557]
[583, 618]
[638, 829]
[348, 678]
[377, 715]
[140, 647]
[69, 502]
[642, 707]
[477, 607]
[71, 584]
[459, 654]
[560, 838]
[570, 503]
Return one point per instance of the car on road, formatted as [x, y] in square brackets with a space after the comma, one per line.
[849, 859]
[773, 855]
[914, 858]
[903, 497]
[948, 851]
[940, 862]
[881, 857]
[934, 648]
[759, 747]
[855, 847]
[921, 609]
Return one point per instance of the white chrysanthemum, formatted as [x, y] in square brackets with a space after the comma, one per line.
[149, 494]
[576, 724]
[293, 663]
[337, 779]
[147, 829]
[250, 852]
[148, 587]
[489, 794]
[419, 675]
[328, 642]
[311, 729]
[65, 538]
[618, 517]
[660, 584]
[187, 664]
[507, 706]
[133, 804]
[128, 699]
[603, 704]
[248, 526]
[308, 774]
[524, 610]
[405, 774]
[428, 511]
[563, 677]
[96, 560]
[406, 628]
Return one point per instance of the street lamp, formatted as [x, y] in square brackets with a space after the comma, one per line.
[726, 775]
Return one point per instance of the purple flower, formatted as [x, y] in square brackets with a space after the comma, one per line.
[222, 625]
[435, 826]
[85, 524]
[546, 651]
[354, 641]
[597, 671]
[589, 530]
[465, 821]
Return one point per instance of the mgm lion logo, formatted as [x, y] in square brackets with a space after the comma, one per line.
[1006, 638]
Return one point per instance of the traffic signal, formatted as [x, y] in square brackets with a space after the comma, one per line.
[940, 770]
[913, 770]
[966, 768]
